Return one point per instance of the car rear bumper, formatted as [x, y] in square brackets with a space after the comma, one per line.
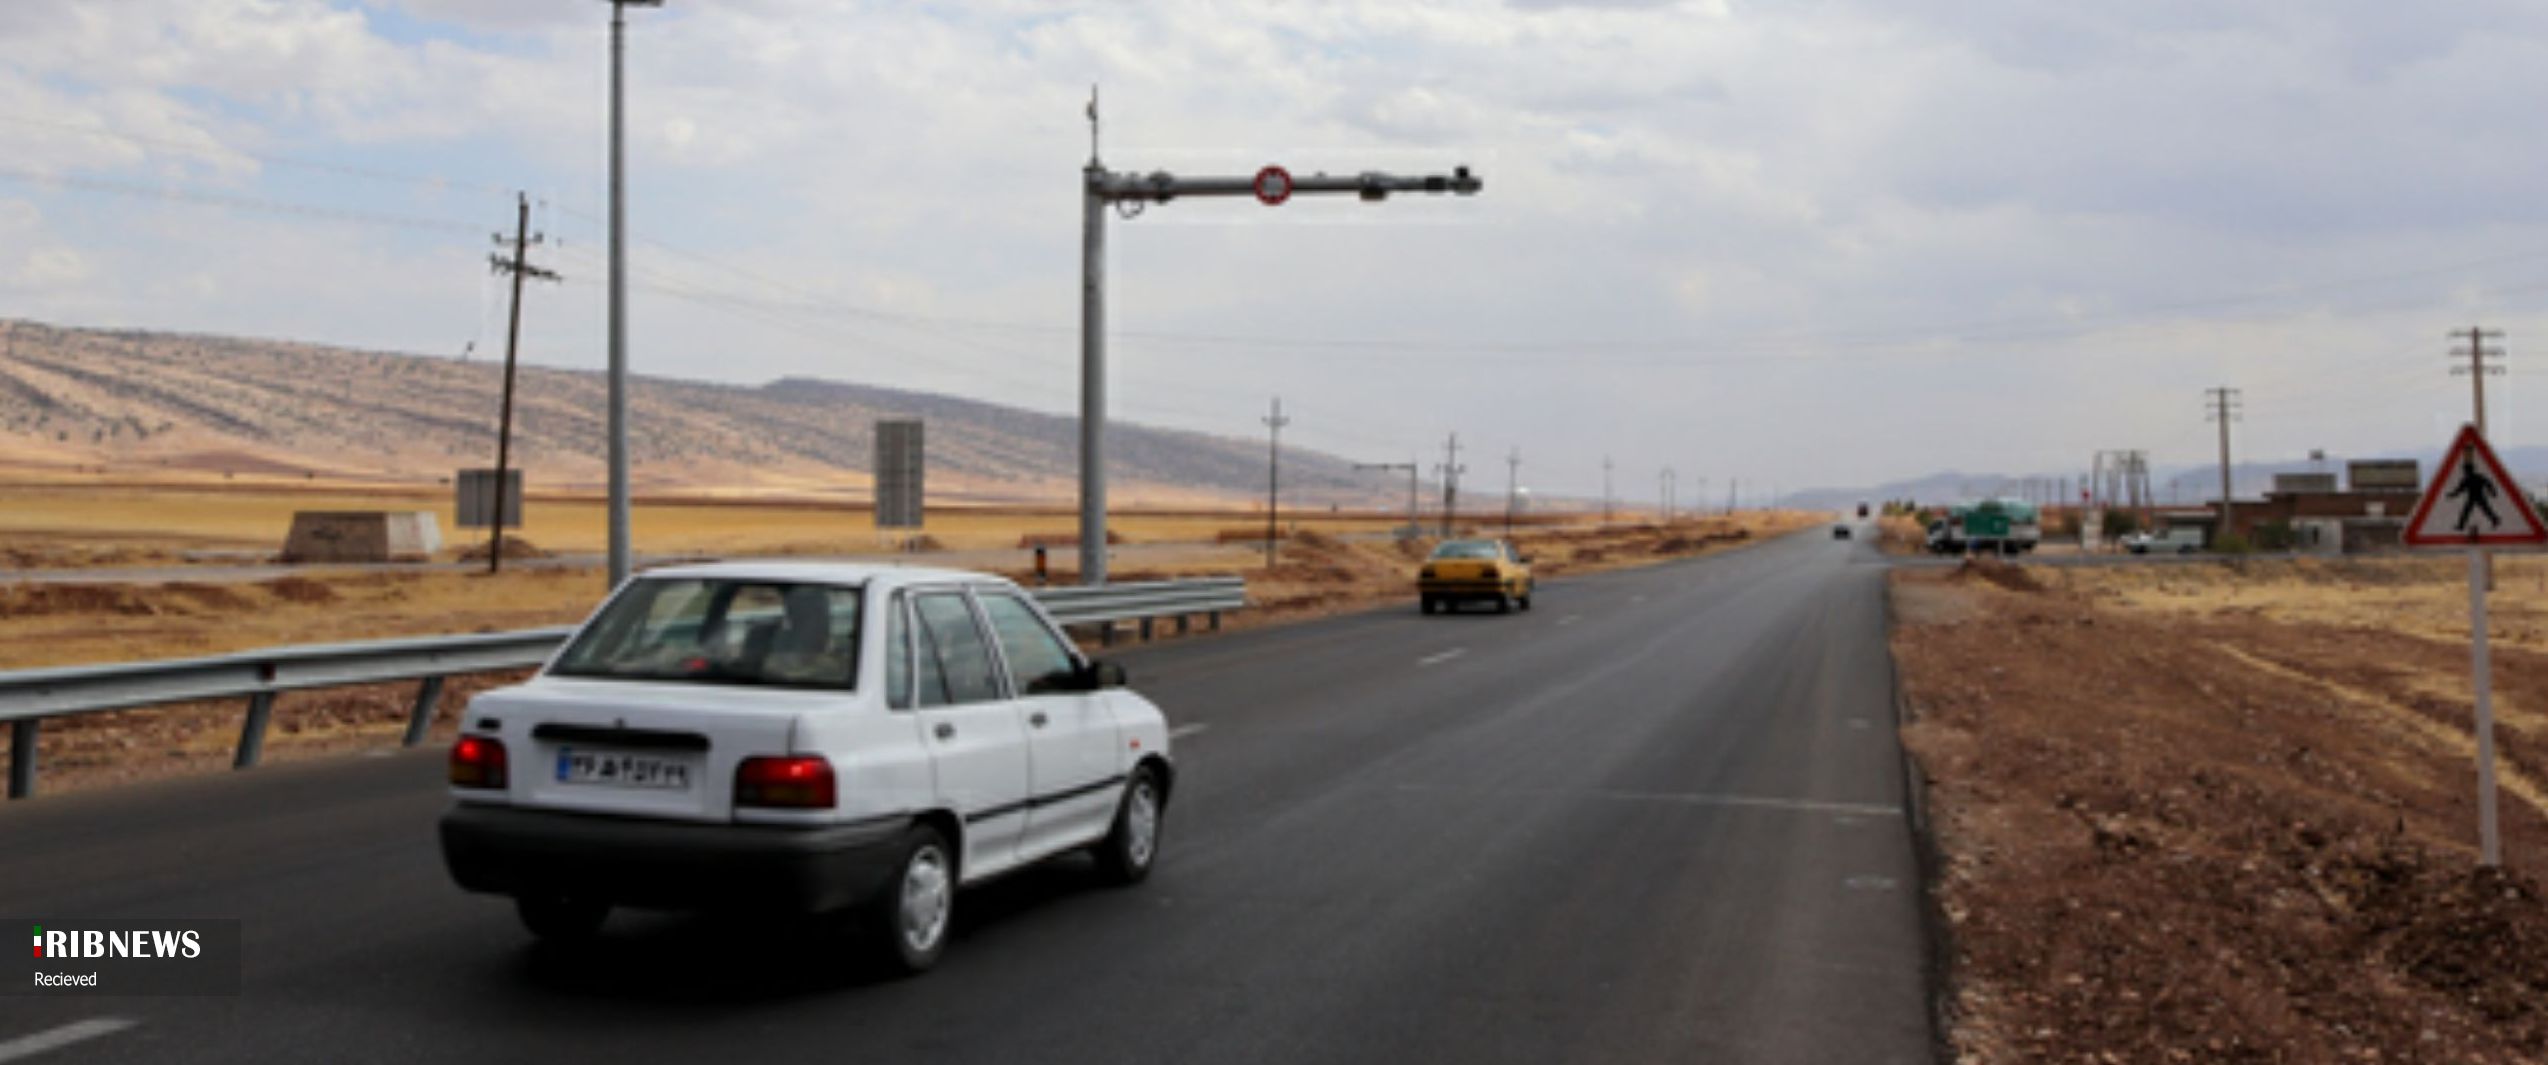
[668, 864]
[1442, 588]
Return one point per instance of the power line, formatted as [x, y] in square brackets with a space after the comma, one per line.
[211, 151]
[231, 200]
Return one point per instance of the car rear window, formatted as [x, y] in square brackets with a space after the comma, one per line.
[1460, 549]
[712, 631]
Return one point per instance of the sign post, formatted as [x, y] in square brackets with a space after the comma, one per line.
[2472, 504]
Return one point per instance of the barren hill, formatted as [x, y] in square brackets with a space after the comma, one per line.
[83, 396]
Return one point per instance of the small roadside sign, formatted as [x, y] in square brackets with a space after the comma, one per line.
[1273, 186]
[2473, 502]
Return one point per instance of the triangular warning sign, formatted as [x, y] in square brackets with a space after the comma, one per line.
[2473, 502]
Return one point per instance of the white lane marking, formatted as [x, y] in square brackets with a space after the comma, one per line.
[27, 1046]
[1183, 731]
[1438, 659]
[1684, 798]
[1569, 620]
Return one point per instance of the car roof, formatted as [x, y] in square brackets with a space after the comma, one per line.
[826, 571]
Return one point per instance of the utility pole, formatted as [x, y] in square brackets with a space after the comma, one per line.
[1273, 475]
[521, 269]
[2478, 368]
[1605, 490]
[619, 551]
[1450, 469]
[1414, 529]
[2224, 410]
[1129, 194]
[1512, 489]
[1663, 492]
[1734, 495]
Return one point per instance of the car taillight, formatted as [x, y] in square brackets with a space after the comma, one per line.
[1428, 572]
[477, 762]
[801, 782]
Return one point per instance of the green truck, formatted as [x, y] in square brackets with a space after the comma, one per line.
[1992, 526]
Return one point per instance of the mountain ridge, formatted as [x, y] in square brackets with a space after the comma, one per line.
[76, 395]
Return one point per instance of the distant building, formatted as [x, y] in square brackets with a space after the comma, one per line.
[2306, 511]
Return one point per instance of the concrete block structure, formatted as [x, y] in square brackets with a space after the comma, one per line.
[362, 536]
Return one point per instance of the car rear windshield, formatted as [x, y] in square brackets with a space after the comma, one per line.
[1467, 549]
[713, 631]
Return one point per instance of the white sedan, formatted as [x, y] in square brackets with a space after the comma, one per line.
[808, 738]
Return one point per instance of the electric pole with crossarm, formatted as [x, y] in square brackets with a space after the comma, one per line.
[1274, 424]
[2225, 403]
[1605, 490]
[1450, 469]
[1128, 194]
[521, 269]
[2478, 368]
[1512, 489]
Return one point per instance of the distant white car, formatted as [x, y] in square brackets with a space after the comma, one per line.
[2175, 541]
[802, 738]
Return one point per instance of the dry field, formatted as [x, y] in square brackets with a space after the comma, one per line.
[52, 525]
[51, 625]
[2226, 812]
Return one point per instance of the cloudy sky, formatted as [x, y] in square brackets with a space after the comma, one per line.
[1818, 242]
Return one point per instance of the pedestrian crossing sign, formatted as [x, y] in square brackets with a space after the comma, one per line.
[2473, 502]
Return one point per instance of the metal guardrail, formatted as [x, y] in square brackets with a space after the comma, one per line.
[29, 696]
[1145, 602]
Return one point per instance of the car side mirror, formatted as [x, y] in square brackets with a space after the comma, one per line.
[1099, 675]
[1523, 559]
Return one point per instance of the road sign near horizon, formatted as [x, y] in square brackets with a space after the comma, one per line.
[2473, 501]
[1273, 186]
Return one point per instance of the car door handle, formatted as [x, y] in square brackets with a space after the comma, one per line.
[1036, 719]
[945, 731]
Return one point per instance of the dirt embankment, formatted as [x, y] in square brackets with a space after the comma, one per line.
[2172, 834]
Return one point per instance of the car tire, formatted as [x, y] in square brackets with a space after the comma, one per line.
[1503, 603]
[917, 912]
[1131, 847]
[557, 919]
[1426, 605]
[1524, 602]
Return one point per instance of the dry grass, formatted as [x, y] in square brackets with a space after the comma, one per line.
[128, 525]
[2425, 597]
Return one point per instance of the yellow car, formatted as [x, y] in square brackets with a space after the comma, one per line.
[1484, 571]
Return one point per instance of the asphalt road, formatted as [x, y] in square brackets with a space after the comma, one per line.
[1659, 818]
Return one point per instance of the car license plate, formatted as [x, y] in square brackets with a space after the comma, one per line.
[622, 770]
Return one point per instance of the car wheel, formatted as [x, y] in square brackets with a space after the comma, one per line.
[561, 920]
[1525, 601]
[919, 904]
[1132, 846]
[1503, 603]
[1426, 605]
